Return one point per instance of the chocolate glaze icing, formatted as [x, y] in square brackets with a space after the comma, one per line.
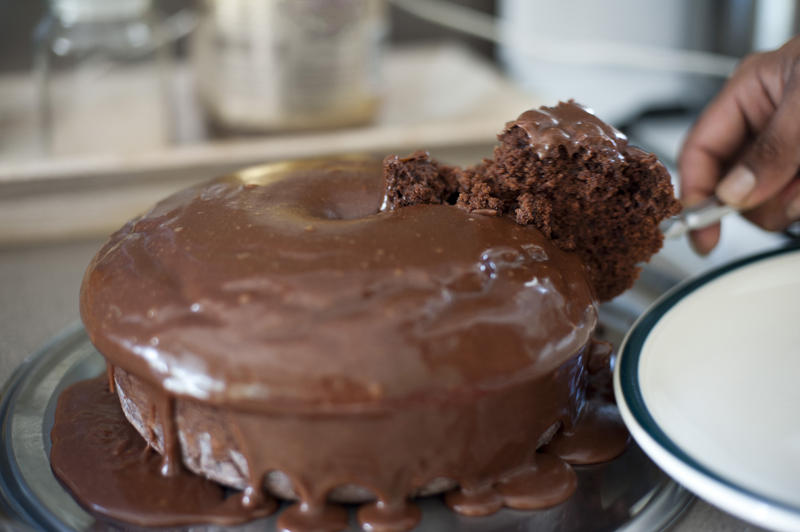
[600, 420]
[291, 290]
[571, 126]
[112, 471]
[472, 439]
[277, 321]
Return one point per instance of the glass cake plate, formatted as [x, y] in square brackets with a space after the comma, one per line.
[630, 493]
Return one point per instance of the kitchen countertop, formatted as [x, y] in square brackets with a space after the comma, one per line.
[39, 297]
[84, 193]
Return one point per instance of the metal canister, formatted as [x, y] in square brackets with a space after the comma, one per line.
[269, 65]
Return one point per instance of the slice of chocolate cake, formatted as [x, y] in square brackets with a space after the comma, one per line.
[568, 173]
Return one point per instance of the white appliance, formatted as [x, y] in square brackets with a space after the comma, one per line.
[622, 56]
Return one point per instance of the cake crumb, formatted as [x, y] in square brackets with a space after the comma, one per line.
[417, 179]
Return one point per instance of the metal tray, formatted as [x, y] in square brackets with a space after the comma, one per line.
[629, 493]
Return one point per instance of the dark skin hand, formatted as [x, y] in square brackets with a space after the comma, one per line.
[745, 147]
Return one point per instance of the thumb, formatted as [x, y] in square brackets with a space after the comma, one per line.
[772, 160]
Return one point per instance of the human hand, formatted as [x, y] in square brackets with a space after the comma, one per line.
[745, 147]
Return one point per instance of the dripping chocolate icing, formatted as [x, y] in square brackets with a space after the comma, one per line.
[112, 471]
[277, 326]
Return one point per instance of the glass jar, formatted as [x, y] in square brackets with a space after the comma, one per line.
[268, 65]
[102, 75]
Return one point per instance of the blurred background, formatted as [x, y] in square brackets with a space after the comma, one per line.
[107, 105]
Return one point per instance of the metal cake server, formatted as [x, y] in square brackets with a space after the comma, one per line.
[705, 213]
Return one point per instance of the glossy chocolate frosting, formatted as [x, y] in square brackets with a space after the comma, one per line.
[571, 126]
[285, 287]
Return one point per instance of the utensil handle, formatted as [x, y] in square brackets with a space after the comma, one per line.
[705, 213]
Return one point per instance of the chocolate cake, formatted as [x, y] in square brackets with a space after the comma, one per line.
[569, 174]
[349, 331]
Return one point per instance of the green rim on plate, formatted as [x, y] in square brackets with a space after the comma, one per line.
[629, 391]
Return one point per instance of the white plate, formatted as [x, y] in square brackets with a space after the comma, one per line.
[708, 382]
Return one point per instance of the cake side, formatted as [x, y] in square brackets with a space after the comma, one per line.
[406, 452]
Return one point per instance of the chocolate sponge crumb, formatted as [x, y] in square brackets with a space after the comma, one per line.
[418, 179]
[573, 177]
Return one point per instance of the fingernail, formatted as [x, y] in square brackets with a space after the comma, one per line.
[793, 209]
[736, 186]
[697, 247]
[701, 244]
